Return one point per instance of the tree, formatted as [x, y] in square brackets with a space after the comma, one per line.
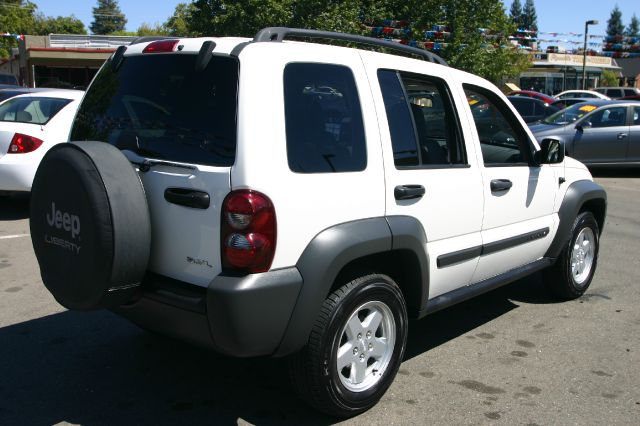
[489, 55]
[16, 17]
[516, 12]
[44, 25]
[149, 30]
[107, 18]
[529, 16]
[609, 79]
[614, 24]
[633, 30]
[179, 23]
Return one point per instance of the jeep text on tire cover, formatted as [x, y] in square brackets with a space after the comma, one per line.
[268, 197]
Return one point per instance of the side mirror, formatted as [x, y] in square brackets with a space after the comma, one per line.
[551, 152]
[584, 125]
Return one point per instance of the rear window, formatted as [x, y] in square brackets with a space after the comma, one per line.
[34, 110]
[159, 106]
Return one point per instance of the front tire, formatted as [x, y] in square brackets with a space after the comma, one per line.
[355, 348]
[571, 276]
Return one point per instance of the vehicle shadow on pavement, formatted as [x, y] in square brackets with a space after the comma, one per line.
[14, 207]
[448, 324]
[97, 368]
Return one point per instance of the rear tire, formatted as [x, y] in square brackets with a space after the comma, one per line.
[572, 273]
[355, 347]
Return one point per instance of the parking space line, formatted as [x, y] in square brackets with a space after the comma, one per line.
[9, 237]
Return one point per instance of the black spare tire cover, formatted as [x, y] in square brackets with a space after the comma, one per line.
[90, 225]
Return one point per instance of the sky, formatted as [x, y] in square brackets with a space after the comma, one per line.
[554, 16]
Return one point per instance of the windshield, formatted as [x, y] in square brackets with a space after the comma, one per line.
[571, 114]
[159, 106]
[34, 110]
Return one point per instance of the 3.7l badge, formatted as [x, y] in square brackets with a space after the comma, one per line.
[200, 262]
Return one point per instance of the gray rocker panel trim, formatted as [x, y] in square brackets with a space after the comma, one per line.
[577, 194]
[467, 292]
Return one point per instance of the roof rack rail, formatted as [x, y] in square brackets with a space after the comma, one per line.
[145, 39]
[280, 33]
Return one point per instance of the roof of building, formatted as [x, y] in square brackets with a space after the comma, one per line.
[630, 66]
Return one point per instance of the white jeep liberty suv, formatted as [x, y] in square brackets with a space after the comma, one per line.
[283, 198]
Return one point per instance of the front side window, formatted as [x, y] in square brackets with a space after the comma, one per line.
[325, 131]
[34, 110]
[608, 117]
[636, 116]
[422, 122]
[502, 140]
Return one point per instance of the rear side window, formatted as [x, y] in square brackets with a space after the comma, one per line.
[159, 106]
[35, 110]
[422, 122]
[614, 93]
[325, 132]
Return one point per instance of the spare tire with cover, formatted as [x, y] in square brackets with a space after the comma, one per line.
[90, 225]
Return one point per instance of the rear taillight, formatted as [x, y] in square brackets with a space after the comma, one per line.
[21, 144]
[248, 231]
[161, 46]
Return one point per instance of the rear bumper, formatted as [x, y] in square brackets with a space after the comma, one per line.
[239, 316]
[16, 174]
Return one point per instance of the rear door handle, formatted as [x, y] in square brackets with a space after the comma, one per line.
[622, 135]
[187, 197]
[408, 192]
[499, 185]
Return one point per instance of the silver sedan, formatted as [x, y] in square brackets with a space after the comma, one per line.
[598, 133]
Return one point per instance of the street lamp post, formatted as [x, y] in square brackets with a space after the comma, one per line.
[584, 52]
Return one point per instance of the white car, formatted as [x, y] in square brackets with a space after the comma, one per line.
[30, 125]
[570, 94]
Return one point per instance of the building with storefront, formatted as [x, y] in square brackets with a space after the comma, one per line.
[61, 60]
[552, 73]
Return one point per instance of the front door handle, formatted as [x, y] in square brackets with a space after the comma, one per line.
[499, 185]
[187, 197]
[622, 135]
[408, 192]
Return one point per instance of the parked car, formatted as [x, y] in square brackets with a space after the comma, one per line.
[567, 102]
[8, 80]
[597, 133]
[30, 124]
[367, 192]
[15, 91]
[531, 94]
[618, 92]
[631, 98]
[590, 94]
[531, 109]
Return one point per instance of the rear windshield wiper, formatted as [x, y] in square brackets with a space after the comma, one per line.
[146, 165]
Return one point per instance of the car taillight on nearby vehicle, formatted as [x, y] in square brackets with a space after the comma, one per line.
[248, 232]
[21, 144]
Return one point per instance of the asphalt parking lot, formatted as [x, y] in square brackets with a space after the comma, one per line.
[514, 356]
